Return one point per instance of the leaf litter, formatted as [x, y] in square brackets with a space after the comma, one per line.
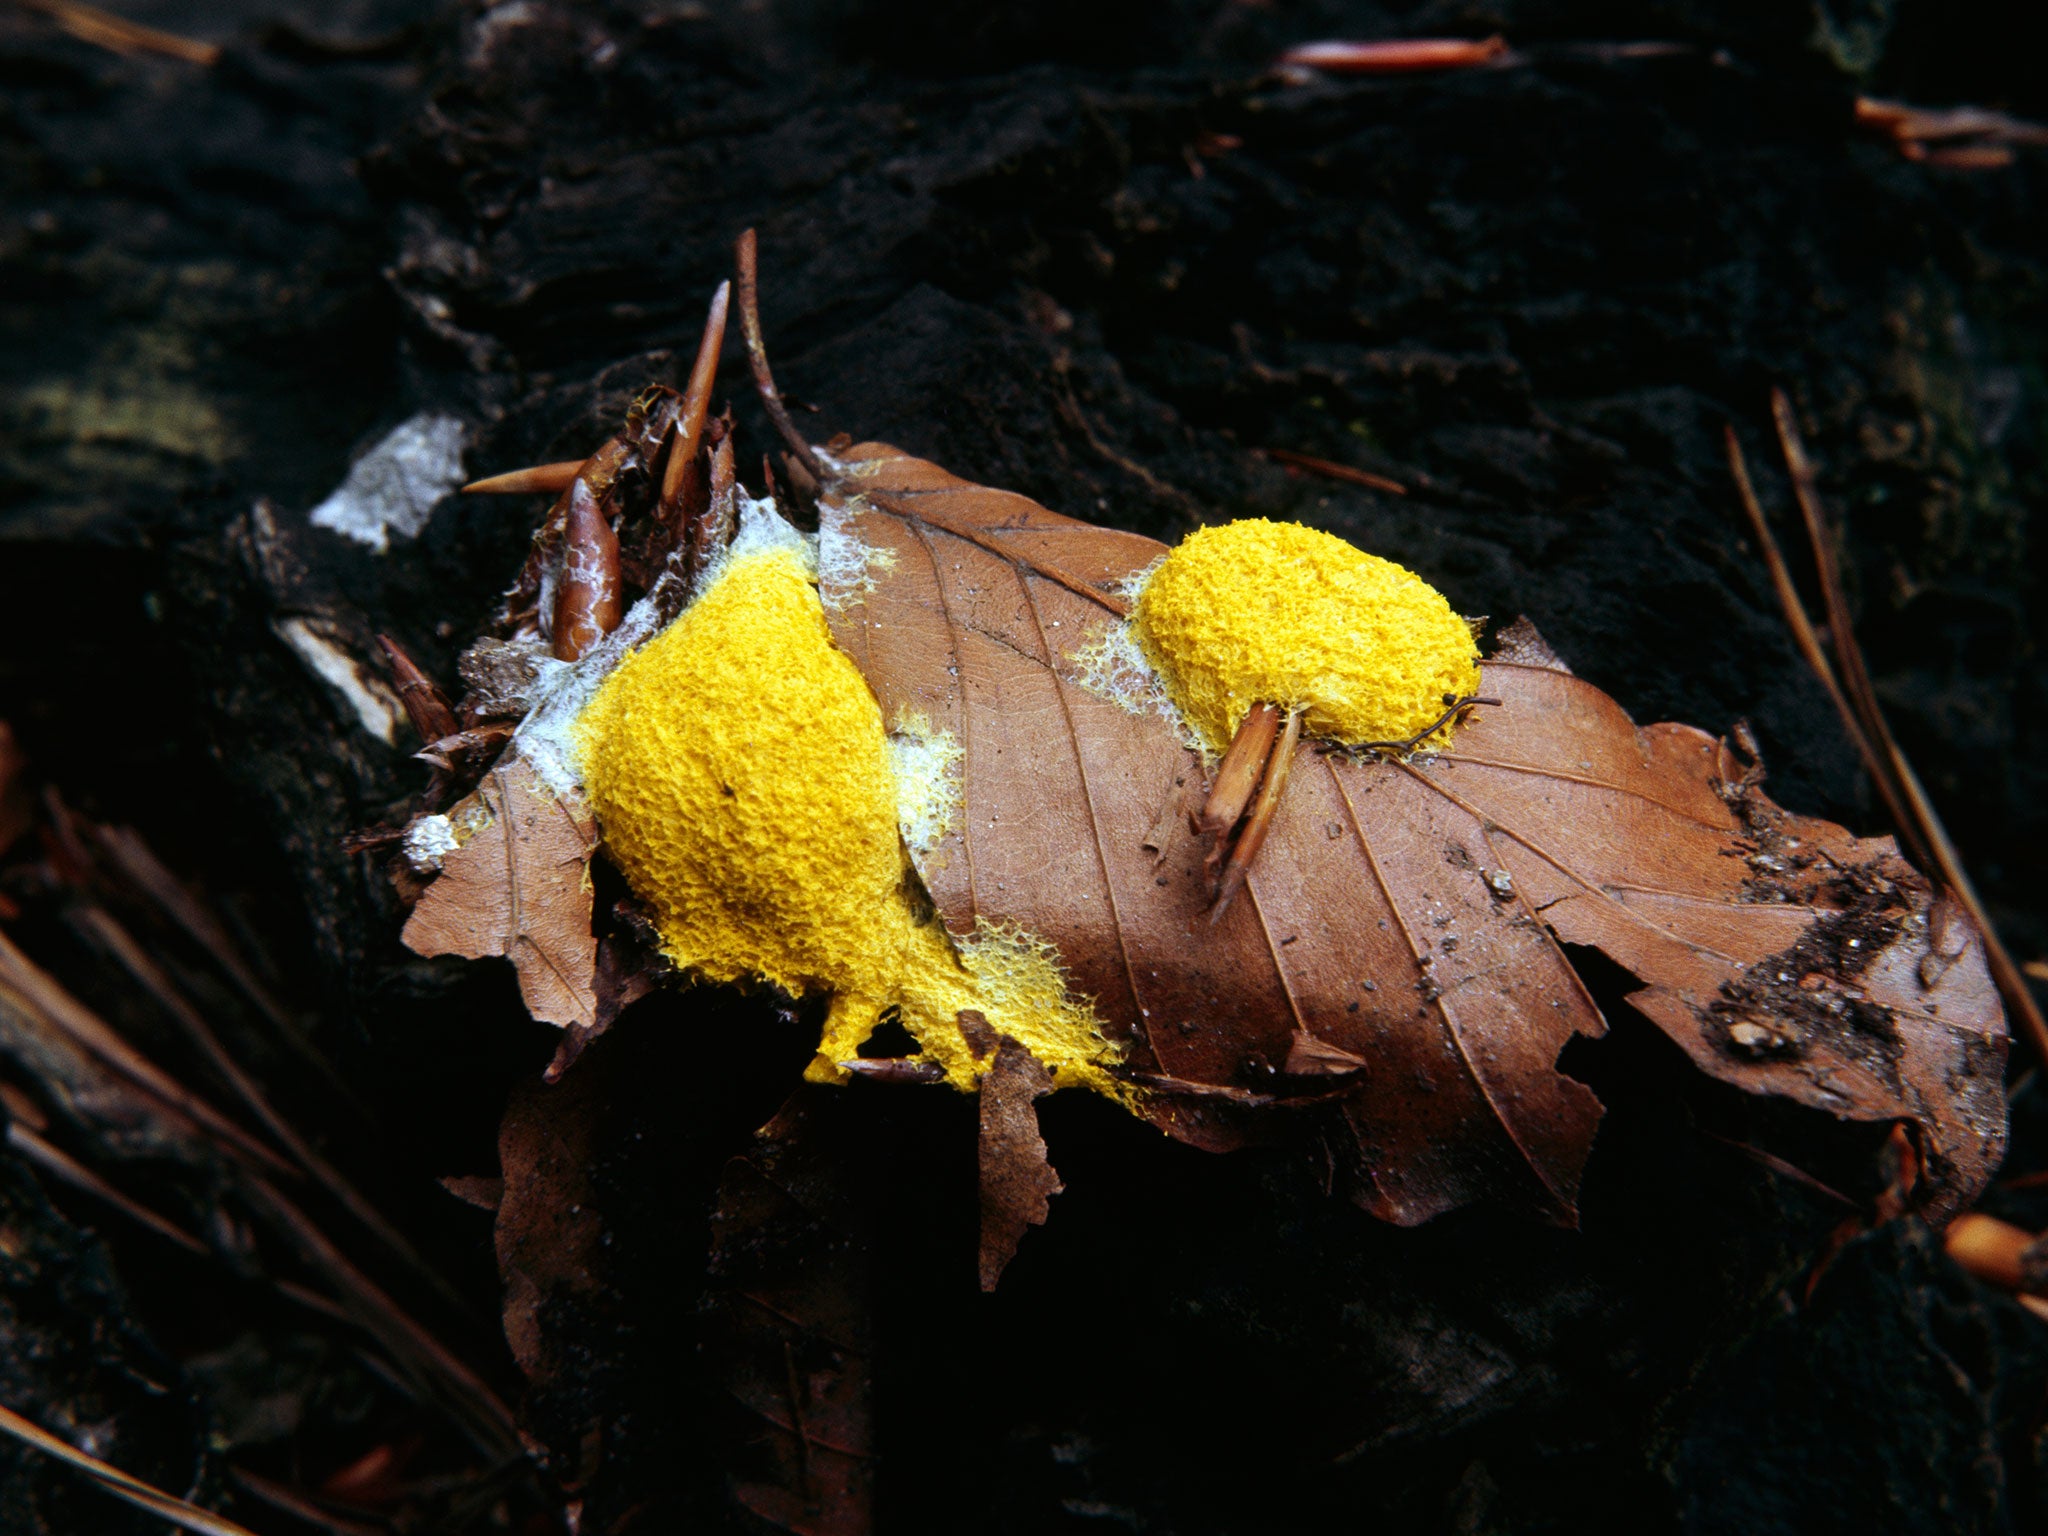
[1407, 912]
[1393, 979]
[516, 885]
[95, 1113]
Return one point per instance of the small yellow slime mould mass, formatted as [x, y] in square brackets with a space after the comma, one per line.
[1262, 612]
[741, 777]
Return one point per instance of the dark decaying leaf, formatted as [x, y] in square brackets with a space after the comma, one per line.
[1017, 1182]
[635, 1311]
[548, 1230]
[628, 966]
[1407, 913]
[789, 1324]
[519, 886]
[1521, 644]
[17, 810]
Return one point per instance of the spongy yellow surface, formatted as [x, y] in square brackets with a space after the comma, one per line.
[740, 773]
[1260, 612]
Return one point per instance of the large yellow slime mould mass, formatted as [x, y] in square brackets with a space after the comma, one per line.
[741, 777]
[1260, 612]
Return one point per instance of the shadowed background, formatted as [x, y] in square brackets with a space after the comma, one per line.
[1098, 255]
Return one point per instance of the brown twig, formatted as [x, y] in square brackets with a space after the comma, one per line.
[100, 927]
[36, 1001]
[716, 518]
[894, 1069]
[1780, 1166]
[1953, 138]
[1238, 774]
[426, 1362]
[425, 704]
[1909, 123]
[1453, 707]
[92, 1035]
[1068, 406]
[696, 400]
[1395, 56]
[301, 1505]
[745, 257]
[145, 873]
[117, 34]
[1913, 814]
[1807, 641]
[930, 511]
[473, 748]
[793, 1388]
[63, 1060]
[1990, 1249]
[1931, 834]
[1160, 1082]
[520, 614]
[588, 599]
[1253, 837]
[62, 1166]
[535, 480]
[1855, 675]
[149, 875]
[17, 805]
[121, 1485]
[1330, 469]
[724, 484]
[1961, 157]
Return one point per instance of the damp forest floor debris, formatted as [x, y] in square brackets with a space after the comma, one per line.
[1484, 310]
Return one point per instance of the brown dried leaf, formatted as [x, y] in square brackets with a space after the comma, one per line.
[483, 1192]
[789, 1320]
[1520, 643]
[548, 1234]
[627, 970]
[1017, 1182]
[1408, 914]
[519, 887]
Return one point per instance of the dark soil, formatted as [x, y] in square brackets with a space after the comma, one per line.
[1100, 256]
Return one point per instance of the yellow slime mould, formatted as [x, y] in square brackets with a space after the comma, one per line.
[741, 775]
[1261, 612]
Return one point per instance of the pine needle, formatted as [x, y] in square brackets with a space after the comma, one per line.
[133, 1490]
